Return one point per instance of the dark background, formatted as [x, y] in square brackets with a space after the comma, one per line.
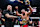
[34, 3]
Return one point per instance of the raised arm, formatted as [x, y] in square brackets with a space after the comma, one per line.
[18, 13]
[30, 8]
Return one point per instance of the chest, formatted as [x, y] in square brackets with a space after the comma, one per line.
[11, 13]
[24, 16]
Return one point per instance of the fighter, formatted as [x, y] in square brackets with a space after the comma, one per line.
[25, 16]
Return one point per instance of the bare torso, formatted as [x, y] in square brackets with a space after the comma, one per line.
[25, 16]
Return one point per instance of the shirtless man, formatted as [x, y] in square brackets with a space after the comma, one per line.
[26, 16]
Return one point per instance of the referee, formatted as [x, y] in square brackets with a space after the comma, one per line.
[8, 16]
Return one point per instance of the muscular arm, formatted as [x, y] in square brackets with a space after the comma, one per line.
[18, 13]
[21, 22]
[30, 8]
[10, 16]
[30, 22]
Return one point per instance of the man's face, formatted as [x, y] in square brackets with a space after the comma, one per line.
[9, 7]
[23, 11]
[16, 7]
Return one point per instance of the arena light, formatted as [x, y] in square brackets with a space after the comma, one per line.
[12, 0]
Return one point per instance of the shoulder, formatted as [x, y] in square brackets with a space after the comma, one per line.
[26, 12]
[5, 11]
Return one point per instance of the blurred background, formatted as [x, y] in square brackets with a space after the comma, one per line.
[35, 16]
[34, 3]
